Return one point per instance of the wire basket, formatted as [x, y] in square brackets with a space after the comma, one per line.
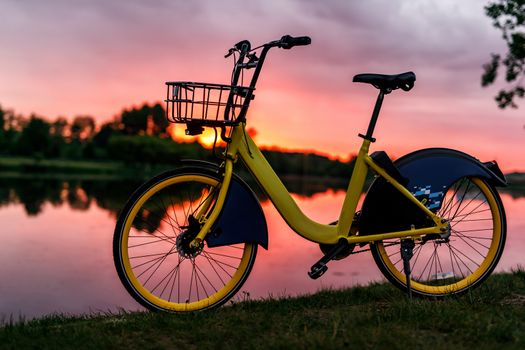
[206, 104]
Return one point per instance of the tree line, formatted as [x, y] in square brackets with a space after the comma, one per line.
[137, 135]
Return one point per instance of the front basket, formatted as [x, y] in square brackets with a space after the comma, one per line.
[206, 104]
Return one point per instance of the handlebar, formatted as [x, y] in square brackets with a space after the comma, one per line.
[245, 51]
[287, 41]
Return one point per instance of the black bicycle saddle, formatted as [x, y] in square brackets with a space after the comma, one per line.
[387, 83]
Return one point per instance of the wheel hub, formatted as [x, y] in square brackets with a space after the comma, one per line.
[183, 244]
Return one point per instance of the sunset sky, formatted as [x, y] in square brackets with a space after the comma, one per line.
[66, 58]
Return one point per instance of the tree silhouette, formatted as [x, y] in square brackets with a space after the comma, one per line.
[9, 130]
[509, 17]
[59, 127]
[146, 120]
[2, 118]
[82, 128]
[160, 122]
[2, 136]
[35, 138]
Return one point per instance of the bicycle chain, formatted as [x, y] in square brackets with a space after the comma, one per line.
[369, 249]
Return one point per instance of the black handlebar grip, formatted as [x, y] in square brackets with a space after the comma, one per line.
[287, 41]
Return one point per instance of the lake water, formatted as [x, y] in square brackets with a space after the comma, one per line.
[56, 253]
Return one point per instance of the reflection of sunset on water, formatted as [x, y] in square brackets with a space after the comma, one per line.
[60, 259]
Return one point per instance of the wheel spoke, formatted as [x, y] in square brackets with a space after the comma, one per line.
[474, 212]
[453, 202]
[169, 217]
[455, 252]
[474, 239]
[469, 213]
[447, 206]
[460, 201]
[470, 245]
[225, 255]
[170, 275]
[206, 278]
[213, 268]
[164, 210]
[469, 202]
[160, 240]
[417, 253]
[220, 264]
[156, 230]
[162, 255]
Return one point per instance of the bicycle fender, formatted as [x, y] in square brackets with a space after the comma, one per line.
[242, 219]
[430, 172]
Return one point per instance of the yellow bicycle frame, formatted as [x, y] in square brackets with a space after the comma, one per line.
[242, 145]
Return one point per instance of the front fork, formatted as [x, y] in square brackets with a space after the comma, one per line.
[207, 221]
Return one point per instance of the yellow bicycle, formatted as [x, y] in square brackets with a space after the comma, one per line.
[187, 239]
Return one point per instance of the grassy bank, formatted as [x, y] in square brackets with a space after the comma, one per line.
[22, 166]
[378, 316]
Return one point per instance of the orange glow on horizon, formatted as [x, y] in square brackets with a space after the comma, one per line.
[206, 139]
[307, 151]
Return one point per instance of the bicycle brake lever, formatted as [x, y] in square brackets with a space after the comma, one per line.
[243, 46]
[230, 52]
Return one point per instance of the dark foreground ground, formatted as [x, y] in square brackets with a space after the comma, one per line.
[374, 317]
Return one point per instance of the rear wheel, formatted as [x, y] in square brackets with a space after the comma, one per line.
[442, 266]
[151, 247]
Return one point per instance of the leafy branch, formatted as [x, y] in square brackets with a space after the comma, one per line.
[509, 17]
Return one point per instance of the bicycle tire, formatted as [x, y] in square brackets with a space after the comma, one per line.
[467, 258]
[151, 246]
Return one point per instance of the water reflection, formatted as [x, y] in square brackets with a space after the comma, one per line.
[56, 253]
[514, 191]
[111, 194]
[34, 193]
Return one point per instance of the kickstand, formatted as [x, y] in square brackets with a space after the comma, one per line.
[407, 251]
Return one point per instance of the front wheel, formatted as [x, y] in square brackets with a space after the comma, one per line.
[443, 266]
[151, 247]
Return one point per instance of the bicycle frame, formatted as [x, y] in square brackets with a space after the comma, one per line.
[216, 205]
[244, 147]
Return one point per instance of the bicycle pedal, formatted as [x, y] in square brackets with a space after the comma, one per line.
[317, 271]
[319, 268]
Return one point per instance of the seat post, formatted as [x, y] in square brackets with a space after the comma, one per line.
[375, 115]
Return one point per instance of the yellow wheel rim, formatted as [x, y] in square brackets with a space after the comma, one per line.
[206, 301]
[471, 276]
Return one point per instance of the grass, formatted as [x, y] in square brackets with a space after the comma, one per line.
[26, 166]
[373, 317]
[20, 162]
